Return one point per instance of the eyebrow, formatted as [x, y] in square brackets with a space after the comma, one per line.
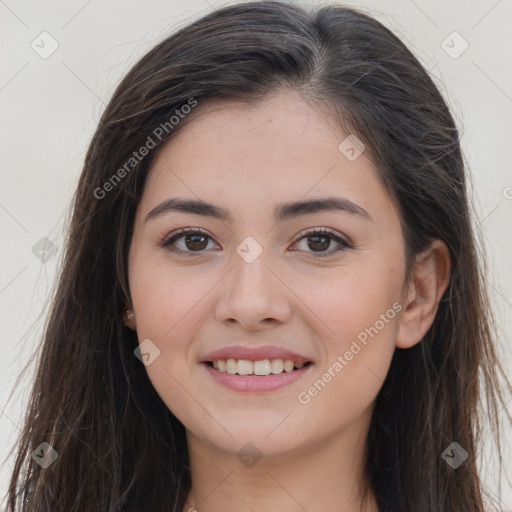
[282, 211]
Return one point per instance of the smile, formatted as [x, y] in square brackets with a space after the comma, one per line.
[256, 376]
[261, 368]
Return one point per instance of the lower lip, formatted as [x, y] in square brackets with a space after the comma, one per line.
[255, 383]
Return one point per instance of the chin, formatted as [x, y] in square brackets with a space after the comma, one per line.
[245, 437]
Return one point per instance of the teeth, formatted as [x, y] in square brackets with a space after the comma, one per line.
[231, 366]
[276, 365]
[288, 365]
[245, 367]
[262, 367]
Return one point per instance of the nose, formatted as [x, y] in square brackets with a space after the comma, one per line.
[253, 295]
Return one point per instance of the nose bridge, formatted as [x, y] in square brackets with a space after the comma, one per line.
[251, 280]
[251, 277]
[251, 291]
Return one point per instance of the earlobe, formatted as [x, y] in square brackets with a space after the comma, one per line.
[129, 317]
[430, 278]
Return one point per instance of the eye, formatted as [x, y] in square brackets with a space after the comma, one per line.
[320, 239]
[187, 241]
[191, 240]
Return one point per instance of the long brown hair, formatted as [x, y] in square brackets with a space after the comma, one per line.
[119, 447]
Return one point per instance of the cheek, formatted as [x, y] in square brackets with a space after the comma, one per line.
[166, 299]
[346, 389]
[358, 314]
[347, 301]
[357, 360]
[170, 306]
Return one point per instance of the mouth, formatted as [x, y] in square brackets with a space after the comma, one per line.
[256, 369]
[260, 368]
[256, 377]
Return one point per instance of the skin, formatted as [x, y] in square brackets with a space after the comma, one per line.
[247, 158]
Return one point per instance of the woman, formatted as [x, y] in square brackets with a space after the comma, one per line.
[271, 297]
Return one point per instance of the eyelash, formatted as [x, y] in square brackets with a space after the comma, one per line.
[173, 237]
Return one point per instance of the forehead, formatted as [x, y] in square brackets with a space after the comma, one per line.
[279, 148]
[278, 121]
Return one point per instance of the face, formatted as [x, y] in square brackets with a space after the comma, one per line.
[261, 279]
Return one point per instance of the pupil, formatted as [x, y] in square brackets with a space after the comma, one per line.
[188, 238]
[324, 245]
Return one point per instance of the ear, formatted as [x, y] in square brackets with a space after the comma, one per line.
[420, 300]
[129, 317]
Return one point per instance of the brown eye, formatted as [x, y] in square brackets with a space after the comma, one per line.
[320, 240]
[186, 241]
[319, 243]
[195, 242]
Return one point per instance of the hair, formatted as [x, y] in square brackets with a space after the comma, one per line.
[120, 448]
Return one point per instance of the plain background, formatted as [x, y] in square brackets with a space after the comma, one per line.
[50, 107]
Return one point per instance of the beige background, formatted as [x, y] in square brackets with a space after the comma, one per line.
[50, 107]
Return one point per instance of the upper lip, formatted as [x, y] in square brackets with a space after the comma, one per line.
[254, 354]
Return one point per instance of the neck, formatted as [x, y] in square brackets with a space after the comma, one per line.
[325, 477]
